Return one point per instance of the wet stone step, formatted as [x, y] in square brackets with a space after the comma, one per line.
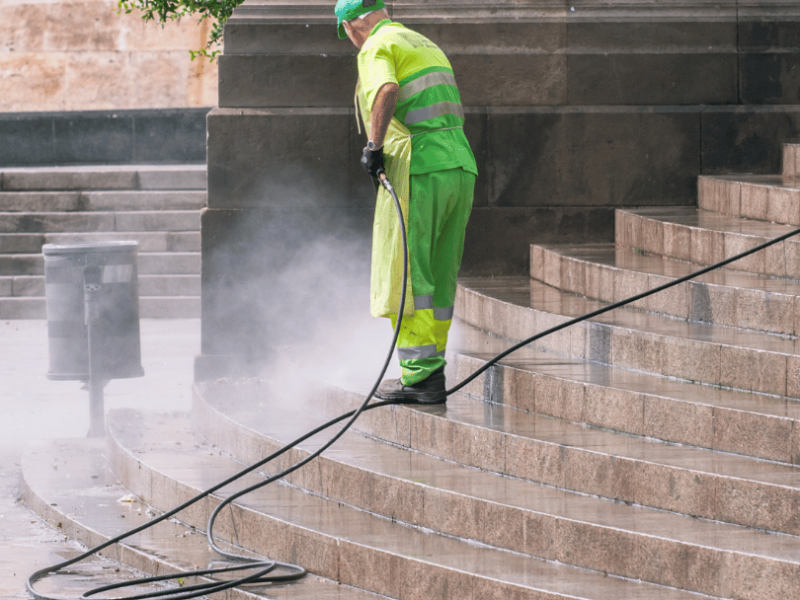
[338, 541]
[81, 495]
[449, 497]
[511, 307]
[149, 263]
[613, 273]
[761, 197]
[47, 202]
[112, 177]
[22, 308]
[76, 222]
[705, 238]
[585, 392]
[155, 241]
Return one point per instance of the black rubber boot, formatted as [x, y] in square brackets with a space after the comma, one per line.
[428, 391]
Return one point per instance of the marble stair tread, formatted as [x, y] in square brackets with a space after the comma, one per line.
[104, 177]
[703, 219]
[717, 355]
[755, 425]
[282, 424]
[609, 254]
[772, 198]
[705, 237]
[118, 221]
[150, 241]
[315, 528]
[725, 297]
[81, 495]
[524, 292]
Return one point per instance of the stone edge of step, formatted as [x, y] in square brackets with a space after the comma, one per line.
[695, 300]
[325, 555]
[126, 554]
[687, 358]
[750, 198]
[706, 246]
[557, 537]
[612, 476]
[711, 426]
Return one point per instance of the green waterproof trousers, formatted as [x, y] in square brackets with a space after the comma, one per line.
[439, 208]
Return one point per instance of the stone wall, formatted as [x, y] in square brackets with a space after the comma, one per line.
[573, 108]
[80, 55]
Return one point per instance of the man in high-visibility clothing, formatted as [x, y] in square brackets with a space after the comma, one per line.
[412, 111]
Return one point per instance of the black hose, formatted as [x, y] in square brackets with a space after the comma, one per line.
[262, 568]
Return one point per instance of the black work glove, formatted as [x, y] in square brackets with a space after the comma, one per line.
[372, 161]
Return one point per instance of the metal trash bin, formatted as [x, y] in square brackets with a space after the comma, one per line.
[117, 353]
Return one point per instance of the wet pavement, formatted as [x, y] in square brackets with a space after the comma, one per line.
[35, 408]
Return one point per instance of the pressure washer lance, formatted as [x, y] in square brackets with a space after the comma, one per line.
[261, 570]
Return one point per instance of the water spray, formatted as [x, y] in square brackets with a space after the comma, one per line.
[260, 571]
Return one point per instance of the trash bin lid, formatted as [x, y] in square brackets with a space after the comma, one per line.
[89, 247]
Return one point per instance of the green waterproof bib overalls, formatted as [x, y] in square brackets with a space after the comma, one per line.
[429, 161]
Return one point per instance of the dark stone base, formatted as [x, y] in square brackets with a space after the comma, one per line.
[164, 136]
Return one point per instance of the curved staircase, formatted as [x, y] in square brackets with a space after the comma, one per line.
[649, 454]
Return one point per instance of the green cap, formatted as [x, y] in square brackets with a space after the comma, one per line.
[347, 10]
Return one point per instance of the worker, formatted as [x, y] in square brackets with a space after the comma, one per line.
[411, 108]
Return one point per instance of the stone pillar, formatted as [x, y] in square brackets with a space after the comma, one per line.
[573, 108]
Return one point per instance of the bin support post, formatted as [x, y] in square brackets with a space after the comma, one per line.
[92, 277]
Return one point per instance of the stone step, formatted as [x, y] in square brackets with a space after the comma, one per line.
[150, 307]
[535, 380]
[82, 499]
[791, 160]
[33, 202]
[101, 177]
[149, 263]
[515, 307]
[150, 241]
[54, 222]
[704, 238]
[149, 285]
[160, 459]
[448, 497]
[762, 197]
[612, 273]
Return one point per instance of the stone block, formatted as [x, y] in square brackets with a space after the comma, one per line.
[652, 35]
[168, 68]
[26, 142]
[761, 35]
[169, 136]
[498, 240]
[790, 160]
[784, 206]
[488, 79]
[754, 201]
[298, 81]
[243, 37]
[746, 139]
[101, 80]
[284, 158]
[626, 157]
[770, 78]
[87, 139]
[35, 75]
[752, 434]
[652, 79]
[749, 369]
